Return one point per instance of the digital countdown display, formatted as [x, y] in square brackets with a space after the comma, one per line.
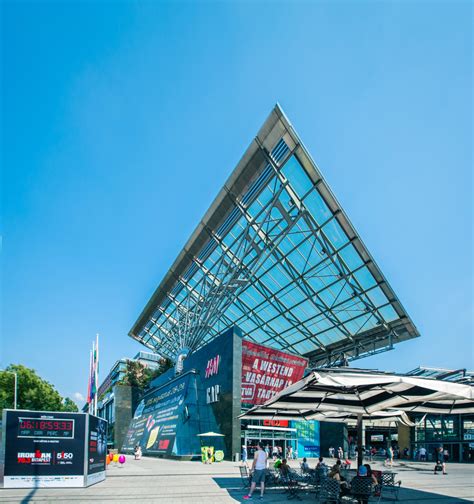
[59, 428]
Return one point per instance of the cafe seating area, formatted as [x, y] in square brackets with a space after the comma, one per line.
[297, 482]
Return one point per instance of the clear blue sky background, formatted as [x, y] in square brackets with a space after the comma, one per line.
[121, 121]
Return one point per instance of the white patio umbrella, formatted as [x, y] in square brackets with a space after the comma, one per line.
[210, 434]
[362, 393]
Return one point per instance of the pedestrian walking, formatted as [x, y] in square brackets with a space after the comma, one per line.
[259, 467]
[244, 454]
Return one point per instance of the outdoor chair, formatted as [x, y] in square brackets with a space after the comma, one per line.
[272, 478]
[245, 476]
[292, 481]
[388, 486]
[361, 489]
[330, 491]
[319, 475]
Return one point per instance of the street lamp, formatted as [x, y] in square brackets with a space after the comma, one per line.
[16, 385]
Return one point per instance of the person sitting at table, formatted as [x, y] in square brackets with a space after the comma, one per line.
[277, 463]
[305, 466]
[321, 466]
[361, 486]
[371, 474]
[335, 472]
[284, 468]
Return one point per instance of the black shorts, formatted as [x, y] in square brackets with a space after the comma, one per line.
[258, 476]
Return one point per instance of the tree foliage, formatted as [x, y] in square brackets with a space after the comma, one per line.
[139, 376]
[34, 393]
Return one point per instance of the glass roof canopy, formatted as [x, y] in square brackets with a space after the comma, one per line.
[276, 256]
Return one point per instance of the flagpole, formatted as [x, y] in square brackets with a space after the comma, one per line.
[89, 383]
[96, 373]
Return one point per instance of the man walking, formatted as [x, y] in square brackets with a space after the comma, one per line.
[259, 467]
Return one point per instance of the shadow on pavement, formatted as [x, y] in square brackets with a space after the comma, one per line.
[406, 496]
[28, 497]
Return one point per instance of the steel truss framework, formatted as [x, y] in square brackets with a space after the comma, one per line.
[276, 255]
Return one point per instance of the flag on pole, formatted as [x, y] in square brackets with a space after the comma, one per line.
[96, 371]
[93, 382]
[89, 380]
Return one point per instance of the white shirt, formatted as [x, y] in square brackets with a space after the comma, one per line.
[261, 462]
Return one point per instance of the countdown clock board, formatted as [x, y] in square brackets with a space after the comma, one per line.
[52, 449]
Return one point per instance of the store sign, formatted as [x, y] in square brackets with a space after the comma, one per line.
[213, 394]
[276, 423]
[266, 371]
[212, 367]
[377, 438]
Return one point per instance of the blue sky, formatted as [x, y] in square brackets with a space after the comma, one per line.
[122, 120]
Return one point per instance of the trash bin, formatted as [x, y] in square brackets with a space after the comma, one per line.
[236, 457]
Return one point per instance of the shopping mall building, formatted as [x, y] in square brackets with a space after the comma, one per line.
[274, 280]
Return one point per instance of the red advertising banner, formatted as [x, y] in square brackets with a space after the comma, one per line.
[266, 371]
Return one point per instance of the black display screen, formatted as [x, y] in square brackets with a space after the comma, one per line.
[59, 428]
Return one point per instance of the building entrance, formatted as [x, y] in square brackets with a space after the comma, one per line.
[279, 437]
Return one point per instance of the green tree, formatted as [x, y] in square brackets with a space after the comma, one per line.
[33, 392]
[139, 376]
[69, 405]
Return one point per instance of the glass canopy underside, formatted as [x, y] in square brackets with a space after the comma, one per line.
[281, 267]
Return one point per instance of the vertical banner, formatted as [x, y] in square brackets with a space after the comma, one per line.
[266, 371]
[96, 449]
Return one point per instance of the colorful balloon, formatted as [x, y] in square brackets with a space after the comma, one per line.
[122, 459]
[116, 457]
[107, 460]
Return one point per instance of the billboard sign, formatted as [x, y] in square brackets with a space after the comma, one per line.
[266, 371]
[156, 419]
[43, 449]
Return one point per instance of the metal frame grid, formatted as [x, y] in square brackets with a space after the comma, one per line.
[276, 256]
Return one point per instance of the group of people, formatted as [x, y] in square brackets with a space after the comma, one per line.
[339, 454]
[260, 463]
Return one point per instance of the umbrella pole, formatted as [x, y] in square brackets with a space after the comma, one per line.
[360, 454]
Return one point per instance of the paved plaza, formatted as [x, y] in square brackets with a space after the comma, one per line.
[168, 481]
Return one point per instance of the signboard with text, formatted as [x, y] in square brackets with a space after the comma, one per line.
[156, 419]
[45, 449]
[266, 371]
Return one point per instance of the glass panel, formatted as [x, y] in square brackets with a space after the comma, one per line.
[377, 296]
[365, 278]
[388, 313]
[351, 257]
[335, 234]
[297, 177]
[317, 207]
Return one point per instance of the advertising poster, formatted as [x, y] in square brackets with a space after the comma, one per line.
[266, 371]
[96, 449]
[308, 435]
[156, 420]
[44, 449]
